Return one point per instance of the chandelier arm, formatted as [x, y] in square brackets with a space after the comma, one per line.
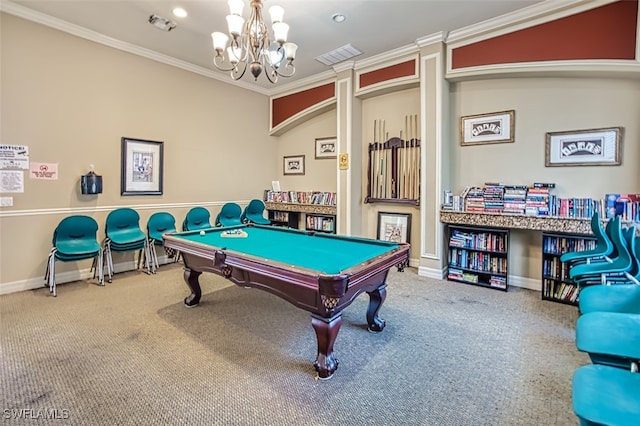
[287, 65]
[221, 66]
[235, 74]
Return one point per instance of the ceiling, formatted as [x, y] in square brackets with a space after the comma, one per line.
[372, 26]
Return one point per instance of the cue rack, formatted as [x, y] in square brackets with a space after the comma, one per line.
[394, 165]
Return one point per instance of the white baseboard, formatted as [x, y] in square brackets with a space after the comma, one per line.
[66, 277]
[514, 280]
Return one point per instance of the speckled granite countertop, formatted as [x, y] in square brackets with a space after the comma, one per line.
[304, 208]
[534, 223]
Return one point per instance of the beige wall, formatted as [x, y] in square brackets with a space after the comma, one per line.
[71, 100]
[545, 105]
[320, 174]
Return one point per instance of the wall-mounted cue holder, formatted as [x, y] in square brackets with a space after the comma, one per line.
[394, 171]
[91, 183]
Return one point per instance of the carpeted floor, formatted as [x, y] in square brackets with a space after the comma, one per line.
[130, 353]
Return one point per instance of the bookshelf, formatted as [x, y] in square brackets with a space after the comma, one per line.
[317, 209]
[556, 285]
[284, 218]
[320, 222]
[478, 256]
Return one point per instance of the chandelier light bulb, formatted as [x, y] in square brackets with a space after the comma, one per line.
[236, 7]
[277, 13]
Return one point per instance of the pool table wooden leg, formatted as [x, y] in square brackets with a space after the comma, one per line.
[376, 298]
[191, 278]
[326, 332]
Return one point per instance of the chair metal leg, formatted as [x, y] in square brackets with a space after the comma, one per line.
[108, 260]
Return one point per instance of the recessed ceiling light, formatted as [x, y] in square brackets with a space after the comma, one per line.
[180, 12]
[338, 17]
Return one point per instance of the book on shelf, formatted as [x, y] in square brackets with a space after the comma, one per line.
[301, 197]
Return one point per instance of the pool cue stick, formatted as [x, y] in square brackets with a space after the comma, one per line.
[374, 161]
[409, 159]
[418, 150]
[399, 167]
[405, 156]
[381, 159]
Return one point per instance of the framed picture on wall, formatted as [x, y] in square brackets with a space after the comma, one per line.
[326, 147]
[394, 227]
[494, 127]
[595, 147]
[293, 165]
[142, 167]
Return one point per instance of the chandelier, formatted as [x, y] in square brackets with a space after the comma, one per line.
[249, 44]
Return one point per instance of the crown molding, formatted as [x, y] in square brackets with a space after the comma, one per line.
[439, 37]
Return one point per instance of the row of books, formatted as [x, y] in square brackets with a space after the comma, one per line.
[301, 197]
[555, 268]
[460, 275]
[477, 240]
[320, 222]
[560, 245]
[479, 261]
[537, 200]
[561, 291]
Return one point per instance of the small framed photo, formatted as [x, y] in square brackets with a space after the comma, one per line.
[326, 147]
[293, 165]
[394, 227]
[595, 147]
[495, 127]
[142, 167]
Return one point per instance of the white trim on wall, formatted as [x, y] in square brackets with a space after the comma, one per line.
[82, 210]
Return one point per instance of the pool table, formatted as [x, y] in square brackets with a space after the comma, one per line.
[318, 272]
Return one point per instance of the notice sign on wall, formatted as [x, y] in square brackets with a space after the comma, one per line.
[14, 157]
[11, 181]
[47, 171]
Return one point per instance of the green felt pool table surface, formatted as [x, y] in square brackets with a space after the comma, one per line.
[325, 253]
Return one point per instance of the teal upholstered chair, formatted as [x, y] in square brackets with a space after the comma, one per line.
[159, 223]
[618, 268]
[604, 395]
[122, 234]
[623, 298]
[229, 215]
[254, 213]
[604, 246]
[610, 338]
[75, 238]
[197, 218]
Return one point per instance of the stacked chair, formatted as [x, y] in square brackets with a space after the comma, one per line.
[607, 392]
[254, 213]
[606, 270]
[196, 218]
[122, 234]
[75, 238]
[603, 250]
[229, 215]
[160, 223]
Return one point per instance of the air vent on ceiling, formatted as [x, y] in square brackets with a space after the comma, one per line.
[338, 55]
[161, 23]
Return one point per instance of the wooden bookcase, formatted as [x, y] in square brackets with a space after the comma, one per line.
[320, 222]
[556, 285]
[284, 218]
[478, 256]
